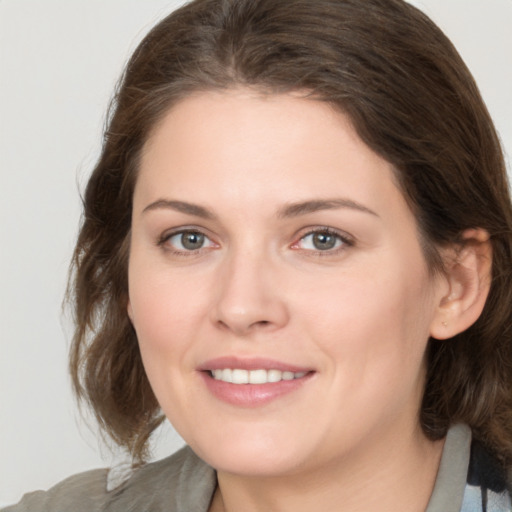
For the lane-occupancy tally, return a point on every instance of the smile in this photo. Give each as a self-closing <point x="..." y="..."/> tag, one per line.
<point x="258" y="376"/>
<point x="253" y="382"/>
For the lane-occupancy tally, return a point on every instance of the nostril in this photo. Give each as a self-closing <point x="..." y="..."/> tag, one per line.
<point x="261" y="323"/>
<point x="222" y="324"/>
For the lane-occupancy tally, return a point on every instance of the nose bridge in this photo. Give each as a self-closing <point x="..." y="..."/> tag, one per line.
<point x="248" y="297"/>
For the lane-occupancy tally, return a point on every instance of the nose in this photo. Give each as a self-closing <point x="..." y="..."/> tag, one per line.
<point x="250" y="296"/>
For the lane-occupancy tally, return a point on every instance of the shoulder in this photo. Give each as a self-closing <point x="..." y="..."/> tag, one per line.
<point x="179" y="482"/>
<point x="81" y="492"/>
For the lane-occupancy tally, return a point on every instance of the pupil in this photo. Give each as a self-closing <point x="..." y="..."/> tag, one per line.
<point x="324" y="241"/>
<point x="192" y="240"/>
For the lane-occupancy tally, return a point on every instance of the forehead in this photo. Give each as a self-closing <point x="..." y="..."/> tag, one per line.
<point x="245" y="148"/>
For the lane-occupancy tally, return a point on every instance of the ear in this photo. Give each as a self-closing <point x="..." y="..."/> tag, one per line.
<point x="468" y="275"/>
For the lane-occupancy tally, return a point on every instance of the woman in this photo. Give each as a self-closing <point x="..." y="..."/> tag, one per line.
<point x="296" y="246"/>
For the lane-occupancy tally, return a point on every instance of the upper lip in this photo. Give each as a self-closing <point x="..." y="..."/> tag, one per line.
<point x="256" y="363"/>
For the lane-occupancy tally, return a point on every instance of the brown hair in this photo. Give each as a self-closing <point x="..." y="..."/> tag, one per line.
<point x="411" y="99"/>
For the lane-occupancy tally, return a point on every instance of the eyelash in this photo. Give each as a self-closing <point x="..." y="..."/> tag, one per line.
<point x="166" y="237"/>
<point x="343" y="241"/>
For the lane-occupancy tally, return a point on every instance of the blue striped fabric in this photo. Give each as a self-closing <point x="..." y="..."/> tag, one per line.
<point x="478" y="499"/>
<point x="486" y="489"/>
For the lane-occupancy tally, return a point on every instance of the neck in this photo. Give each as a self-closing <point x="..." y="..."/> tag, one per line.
<point x="396" y="472"/>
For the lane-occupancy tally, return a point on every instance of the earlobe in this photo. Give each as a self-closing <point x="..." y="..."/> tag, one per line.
<point x="468" y="274"/>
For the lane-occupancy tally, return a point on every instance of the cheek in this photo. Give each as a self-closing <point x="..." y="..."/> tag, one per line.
<point x="376" y="338"/>
<point x="170" y="316"/>
<point x="371" y="324"/>
<point x="163" y="308"/>
<point x="164" y="314"/>
<point x="149" y="313"/>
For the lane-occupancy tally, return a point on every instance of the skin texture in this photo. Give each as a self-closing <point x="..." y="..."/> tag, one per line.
<point x="358" y="316"/>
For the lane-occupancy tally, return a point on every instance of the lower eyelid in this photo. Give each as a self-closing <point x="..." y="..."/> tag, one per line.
<point x="342" y="240"/>
<point x="165" y="240"/>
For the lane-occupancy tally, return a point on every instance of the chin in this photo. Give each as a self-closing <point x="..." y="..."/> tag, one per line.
<point x="254" y="456"/>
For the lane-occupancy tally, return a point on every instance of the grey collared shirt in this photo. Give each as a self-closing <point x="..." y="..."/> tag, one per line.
<point x="184" y="483"/>
<point x="451" y="492"/>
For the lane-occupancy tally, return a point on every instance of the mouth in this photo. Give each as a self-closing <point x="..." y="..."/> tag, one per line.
<point x="251" y="383"/>
<point x="258" y="376"/>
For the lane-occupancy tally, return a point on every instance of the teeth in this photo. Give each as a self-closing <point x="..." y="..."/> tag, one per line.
<point x="238" y="376"/>
<point x="227" y="375"/>
<point x="274" y="375"/>
<point x="257" y="376"/>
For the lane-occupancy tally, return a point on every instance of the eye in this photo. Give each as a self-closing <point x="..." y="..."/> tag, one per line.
<point x="187" y="241"/>
<point x="322" y="240"/>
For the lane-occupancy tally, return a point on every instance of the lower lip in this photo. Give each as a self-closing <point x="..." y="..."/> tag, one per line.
<point x="252" y="395"/>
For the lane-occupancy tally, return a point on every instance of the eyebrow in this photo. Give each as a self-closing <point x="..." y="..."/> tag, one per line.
<point x="181" y="206"/>
<point x="305" y="207"/>
<point x="290" y="210"/>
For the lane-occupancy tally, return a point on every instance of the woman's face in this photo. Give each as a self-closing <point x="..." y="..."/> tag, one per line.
<point x="270" y="243"/>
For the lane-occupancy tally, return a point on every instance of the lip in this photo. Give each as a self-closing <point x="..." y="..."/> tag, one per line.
<point x="251" y="395"/>
<point x="250" y="364"/>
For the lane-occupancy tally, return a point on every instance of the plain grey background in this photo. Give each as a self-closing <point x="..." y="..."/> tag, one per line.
<point x="59" y="61"/>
